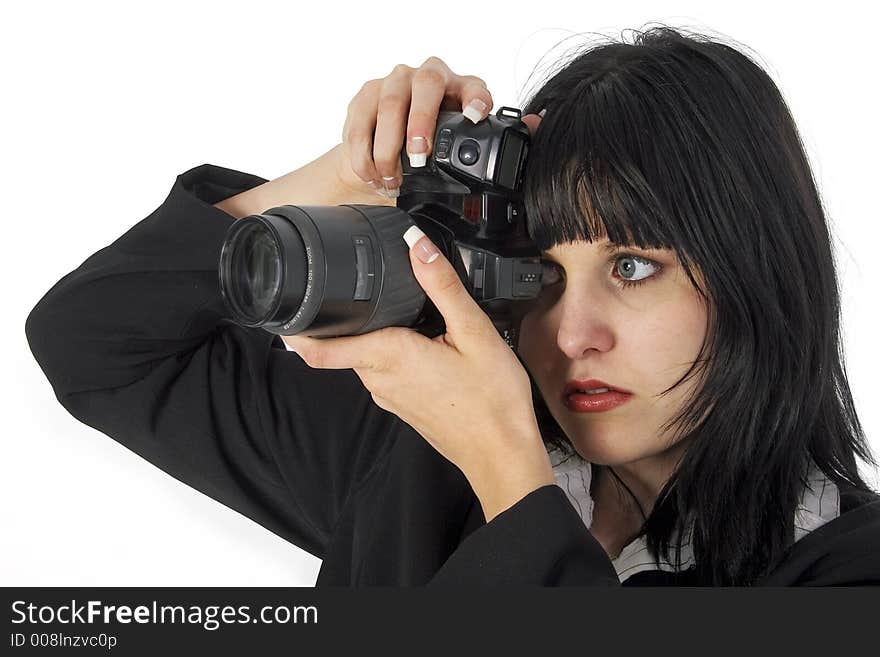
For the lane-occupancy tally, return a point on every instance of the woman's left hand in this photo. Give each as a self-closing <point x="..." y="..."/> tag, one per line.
<point x="465" y="391"/>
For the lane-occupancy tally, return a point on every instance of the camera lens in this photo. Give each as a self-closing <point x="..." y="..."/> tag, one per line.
<point x="254" y="266"/>
<point x="469" y="152"/>
<point x="323" y="271"/>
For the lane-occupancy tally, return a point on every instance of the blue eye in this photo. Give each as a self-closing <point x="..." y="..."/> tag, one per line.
<point x="633" y="270"/>
<point x="628" y="269"/>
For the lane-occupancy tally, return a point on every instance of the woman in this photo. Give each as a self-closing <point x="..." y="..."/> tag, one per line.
<point x="694" y="281"/>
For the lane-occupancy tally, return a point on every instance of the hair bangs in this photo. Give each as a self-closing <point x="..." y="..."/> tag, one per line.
<point x="586" y="176"/>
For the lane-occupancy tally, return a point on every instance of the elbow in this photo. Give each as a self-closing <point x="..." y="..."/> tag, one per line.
<point x="46" y="344"/>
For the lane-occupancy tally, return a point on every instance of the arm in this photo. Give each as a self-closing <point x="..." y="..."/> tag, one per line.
<point x="304" y="186"/>
<point x="539" y="541"/>
<point x="136" y="344"/>
<point x="500" y="482"/>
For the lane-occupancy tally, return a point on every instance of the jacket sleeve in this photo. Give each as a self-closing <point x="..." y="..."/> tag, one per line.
<point x="539" y="541"/>
<point x="842" y="552"/>
<point x="136" y="343"/>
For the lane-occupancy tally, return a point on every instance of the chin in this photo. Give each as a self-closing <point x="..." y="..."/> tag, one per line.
<point x="603" y="446"/>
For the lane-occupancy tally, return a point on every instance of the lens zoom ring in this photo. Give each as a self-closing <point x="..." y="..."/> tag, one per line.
<point x="401" y="298"/>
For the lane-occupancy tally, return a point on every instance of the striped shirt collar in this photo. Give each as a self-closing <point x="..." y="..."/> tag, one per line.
<point x="819" y="504"/>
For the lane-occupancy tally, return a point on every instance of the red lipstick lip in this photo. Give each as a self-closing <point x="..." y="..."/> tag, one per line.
<point x="588" y="384"/>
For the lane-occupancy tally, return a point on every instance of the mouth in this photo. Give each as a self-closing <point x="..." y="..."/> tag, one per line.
<point x="593" y="396"/>
<point x="590" y="387"/>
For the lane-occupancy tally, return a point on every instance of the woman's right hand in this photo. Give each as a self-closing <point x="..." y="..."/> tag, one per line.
<point x="402" y="105"/>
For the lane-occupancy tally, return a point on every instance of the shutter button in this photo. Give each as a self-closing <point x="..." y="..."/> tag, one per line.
<point x="469" y="152"/>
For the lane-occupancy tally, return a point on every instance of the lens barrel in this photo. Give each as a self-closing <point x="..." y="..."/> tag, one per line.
<point x="320" y="270"/>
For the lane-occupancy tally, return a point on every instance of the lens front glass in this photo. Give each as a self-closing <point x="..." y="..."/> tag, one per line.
<point x="255" y="271"/>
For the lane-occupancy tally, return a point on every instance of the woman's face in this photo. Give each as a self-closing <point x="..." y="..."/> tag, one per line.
<point x="628" y="317"/>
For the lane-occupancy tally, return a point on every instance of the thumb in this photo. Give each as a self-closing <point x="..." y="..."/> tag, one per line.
<point x="438" y="278"/>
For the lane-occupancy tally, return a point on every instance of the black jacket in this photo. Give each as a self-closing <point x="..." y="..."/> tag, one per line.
<point x="137" y="344"/>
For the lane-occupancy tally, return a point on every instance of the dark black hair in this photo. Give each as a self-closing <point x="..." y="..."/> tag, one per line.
<point x="680" y="141"/>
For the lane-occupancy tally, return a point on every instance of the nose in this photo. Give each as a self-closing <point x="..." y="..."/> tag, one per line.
<point x="584" y="327"/>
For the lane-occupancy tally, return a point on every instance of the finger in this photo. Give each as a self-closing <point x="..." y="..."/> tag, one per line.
<point x="431" y="89"/>
<point x="466" y="323"/>
<point x="532" y="121"/>
<point x="428" y="90"/>
<point x="360" y="124"/>
<point x="369" y="351"/>
<point x="476" y="101"/>
<point x="393" y="107"/>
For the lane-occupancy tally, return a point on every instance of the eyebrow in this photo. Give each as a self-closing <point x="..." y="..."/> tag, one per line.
<point x="608" y="247"/>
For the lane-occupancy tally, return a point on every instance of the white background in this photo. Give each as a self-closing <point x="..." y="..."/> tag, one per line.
<point x="106" y="103"/>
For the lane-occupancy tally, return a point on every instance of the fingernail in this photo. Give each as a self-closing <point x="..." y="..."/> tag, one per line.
<point x="388" y="193"/>
<point x="417" y="149"/>
<point x="423" y="247"/>
<point x="542" y="112"/>
<point x="474" y="110"/>
<point x="391" y="185"/>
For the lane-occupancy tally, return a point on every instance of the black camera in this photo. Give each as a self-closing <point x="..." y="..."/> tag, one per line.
<point x="327" y="271"/>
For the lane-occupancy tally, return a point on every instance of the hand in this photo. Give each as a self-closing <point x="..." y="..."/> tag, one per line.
<point x="464" y="391"/>
<point x="404" y="103"/>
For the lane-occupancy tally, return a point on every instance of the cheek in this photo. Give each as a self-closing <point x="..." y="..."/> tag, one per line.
<point x="665" y="341"/>
<point x="655" y="342"/>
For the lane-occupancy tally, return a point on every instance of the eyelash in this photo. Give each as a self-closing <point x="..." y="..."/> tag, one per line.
<point x="623" y="283"/>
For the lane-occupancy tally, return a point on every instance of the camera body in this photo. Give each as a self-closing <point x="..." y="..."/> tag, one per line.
<point x="327" y="271"/>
